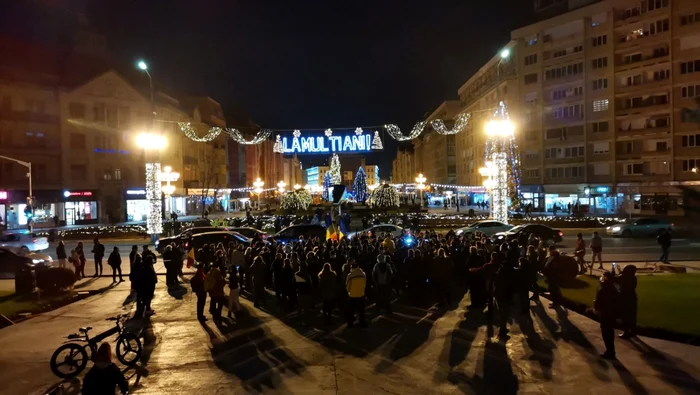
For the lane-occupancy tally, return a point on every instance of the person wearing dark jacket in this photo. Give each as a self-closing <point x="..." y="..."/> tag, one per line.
<point x="503" y="293"/>
<point x="302" y="283"/>
<point x="146" y="253"/>
<point x="99" y="250"/>
<point x="441" y="277"/>
<point x="197" y="284"/>
<point x="104" y="377"/>
<point x="551" y="272"/>
<point x="327" y="280"/>
<point x="627" y="281"/>
<point x="477" y="291"/>
<point x="145" y="280"/>
<point x="61" y="254"/>
<point x="234" y="293"/>
<point x="487" y="274"/>
<point x="664" y="241"/>
<point x="534" y="262"/>
<point x="115" y="262"/>
<point x="259" y="272"/>
<point x="170" y="269"/>
<point x="606" y="306"/>
<point x="526" y="277"/>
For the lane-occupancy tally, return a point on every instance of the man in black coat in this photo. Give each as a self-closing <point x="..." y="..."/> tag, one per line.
<point x="664" y="240"/>
<point x="605" y="305"/>
<point x="99" y="250"/>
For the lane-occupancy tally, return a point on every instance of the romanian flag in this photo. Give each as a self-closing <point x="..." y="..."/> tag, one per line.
<point x="190" y="258"/>
<point x="333" y="232"/>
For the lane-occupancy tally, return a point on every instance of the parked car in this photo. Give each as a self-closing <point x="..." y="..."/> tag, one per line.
<point x="12" y="259"/>
<point x="377" y="230"/>
<point x="250" y="233"/>
<point x="639" y="227"/>
<point x="30" y="241"/>
<point x="549" y="235"/>
<point x="224" y="237"/>
<point x="185" y="236"/>
<point x="487" y="227"/>
<point x="292" y="233"/>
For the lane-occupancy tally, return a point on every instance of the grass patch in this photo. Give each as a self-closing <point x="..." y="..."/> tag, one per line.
<point x="666" y="301"/>
<point x="11" y="306"/>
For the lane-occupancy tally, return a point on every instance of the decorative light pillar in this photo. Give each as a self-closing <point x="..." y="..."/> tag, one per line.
<point x="258" y="184"/>
<point x="420" y="180"/>
<point x="500" y="149"/>
<point x="153" y="142"/>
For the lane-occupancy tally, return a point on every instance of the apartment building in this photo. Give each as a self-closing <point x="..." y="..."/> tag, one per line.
<point x="404" y="166"/>
<point x="271" y="167"/>
<point x="436" y="153"/>
<point x="602" y="90"/>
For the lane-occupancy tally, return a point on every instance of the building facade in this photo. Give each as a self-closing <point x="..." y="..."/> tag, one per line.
<point x="435" y="153"/>
<point x="403" y="169"/>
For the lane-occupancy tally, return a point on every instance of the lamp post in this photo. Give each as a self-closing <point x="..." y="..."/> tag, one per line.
<point x="499" y="133"/>
<point x="420" y="180"/>
<point x="258" y="184"/>
<point x="153" y="142"/>
<point x="281" y="188"/>
<point x="28" y="165"/>
<point x="168" y="175"/>
<point x="143" y="66"/>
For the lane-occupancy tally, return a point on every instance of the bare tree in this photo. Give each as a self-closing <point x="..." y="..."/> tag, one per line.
<point x="208" y="180"/>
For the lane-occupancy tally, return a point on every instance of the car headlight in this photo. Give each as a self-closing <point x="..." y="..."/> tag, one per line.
<point x="459" y="232"/>
<point x="616" y="229"/>
<point x="35" y="261"/>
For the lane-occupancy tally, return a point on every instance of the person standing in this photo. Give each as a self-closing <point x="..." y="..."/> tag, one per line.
<point x="170" y="269"/>
<point x="61" y="254"/>
<point x="234" y="293"/>
<point x="115" y="262"/>
<point x="381" y="276"/>
<point x="104" y="377"/>
<point x="304" y="290"/>
<point x="148" y="253"/>
<point x="580" y="252"/>
<point x="664" y="240"/>
<point x="259" y="272"/>
<point x="551" y="272"/>
<point x="355" y="285"/>
<point x="605" y="305"/>
<point x="327" y="279"/>
<point x="99" y="250"/>
<point x="214" y="284"/>
<point x="81" y="259"/>
<point x="149" y="282"/>
<point x="441" y="278"/>
<point x="627" y="281"/>
<point x="597" y="249"/>
<point x="197" y="284"/>
<point x="136" y="276"/>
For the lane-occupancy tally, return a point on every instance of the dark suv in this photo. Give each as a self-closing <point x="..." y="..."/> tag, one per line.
<point x="223" y="237"/>
<point x="185" y="236"/>
<point x="292" y="233"/>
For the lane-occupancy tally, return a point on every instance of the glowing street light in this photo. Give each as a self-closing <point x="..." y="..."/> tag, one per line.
<point x="421" y="185"/>
<point x="505" y="53"/>
<point x="297" y="187"/>
<point x="258" y="184"/>
<point x="500" y="128"/>
<point x="168" y="175"/>
<point x="151" y="141"/>
<point x="281" y="185"/>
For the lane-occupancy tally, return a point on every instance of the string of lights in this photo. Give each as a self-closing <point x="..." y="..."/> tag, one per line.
<point x="154" y="224"/>
<point x="460" y="123"/>
<point x="395" y="132"/>
<point x="384" y="196"/>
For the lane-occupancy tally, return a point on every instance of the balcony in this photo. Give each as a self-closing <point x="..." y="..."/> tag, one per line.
<point x="654" y="84"/>
<point x="646" y="154"/>
<point x="631" y="63"/>
<point x="627" y="134"/>
<point x="640" y="38"/>
<point x="652" y="103"/>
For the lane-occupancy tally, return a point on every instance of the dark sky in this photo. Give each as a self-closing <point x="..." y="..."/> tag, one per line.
<point x="296" y="64"/>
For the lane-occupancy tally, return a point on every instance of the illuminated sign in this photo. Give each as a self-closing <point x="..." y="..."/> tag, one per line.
<point x="327" y="144"/>
<point x="3" y="195"/>
<point x="76" y="193"/>
<point x="136" y="192"/>
<point x="602" y="189"/>
<point x="111" y="151"/>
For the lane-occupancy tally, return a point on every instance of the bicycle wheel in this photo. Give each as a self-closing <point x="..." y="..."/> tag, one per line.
<point x="69" y="360"/>
<point x="129" y="349"/>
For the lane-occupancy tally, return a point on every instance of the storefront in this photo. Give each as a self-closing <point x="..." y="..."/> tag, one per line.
<point x="650" y="199"/>
<point x="532" y="195"/>
<point x="214" y="200"/>
<point x="136" y="205"/>
<point x="599" y="200"/>
<point x="81" y="207"/>
<point x="14" y="213"/>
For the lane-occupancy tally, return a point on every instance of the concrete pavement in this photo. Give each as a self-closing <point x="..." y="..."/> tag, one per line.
<point x="415" y="351"/>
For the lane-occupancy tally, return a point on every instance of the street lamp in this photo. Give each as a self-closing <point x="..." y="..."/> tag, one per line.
<point x="297" y="187"/>
<point x="28" y="165"/>
<point x="168" y="175"/>
<point x="420" y="180"/>
<point x="143" y="66"/>
<point x="258" y="184"/>
<point x="499" y="131"/>
<point x="281" y="185"/>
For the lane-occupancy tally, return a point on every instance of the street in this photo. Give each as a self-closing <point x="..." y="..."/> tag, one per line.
<point x="414" y="351"/>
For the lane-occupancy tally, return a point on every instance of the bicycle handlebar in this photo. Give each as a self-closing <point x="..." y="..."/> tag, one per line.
<point x="117" y="317"/>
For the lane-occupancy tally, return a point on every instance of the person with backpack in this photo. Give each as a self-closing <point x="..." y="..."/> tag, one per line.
<point x="606" y="307"/>
<point x="197" y="283"/>
<point x="115" y="262"/>
<point x="664" y="240"/>
<point x="381" y="276"/>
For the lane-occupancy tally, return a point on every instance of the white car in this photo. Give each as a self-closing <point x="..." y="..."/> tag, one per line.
<point x="395" y="231"/>
<point x="487" y="227"/>
<point x="30" y="241"/>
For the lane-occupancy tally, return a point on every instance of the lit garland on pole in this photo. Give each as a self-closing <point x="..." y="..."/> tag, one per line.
<point x="384" y="196"/>
<point x="190" y="133"/>
<point x="461" y="122"/>
<point x="299" y="199"/>
<point x="236" y="135"/>
<point x="214" y="132"/>
<point x="154" y="224"/>
<point x="377" y="142"/>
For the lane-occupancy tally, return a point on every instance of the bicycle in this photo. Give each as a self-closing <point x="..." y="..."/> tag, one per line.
<point x="74" y="356"/>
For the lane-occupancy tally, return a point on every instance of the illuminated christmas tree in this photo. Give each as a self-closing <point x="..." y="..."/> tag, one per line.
<point x="359" y="186"/>
<point x="336" y="178"/>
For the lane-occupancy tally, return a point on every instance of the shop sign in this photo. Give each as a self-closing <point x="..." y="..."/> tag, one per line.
<point x="3" y="195"/>
<point x="136" y="192"/>
<point x="602" y="189"/>
<point x="76" y="193"/>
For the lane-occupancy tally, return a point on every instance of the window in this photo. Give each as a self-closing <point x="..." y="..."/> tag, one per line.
<point x="600" y="84"/>
<point x="633" y="169"/>
<point x="530" y="59"/>
<point x="651" y="5"/>
<point x="600" y="63"/>
<point x="531" y="41"/>
<point x="692" y="66"/>
<point x="690" y="164"/>
<point x="573" y="111"/>
<point x="690" y="91"/>
<point x="77" y="141"/>
<point x="565" y="172"/>
<point x="690" y="19"/>
<point x="633" y="58"/>
<point x="578" y="48"/>
<point x="78" y="172"/>
<point x="117" y="174"/>
<point x="601" y="169"/>
<point x="600" y="127"/>
<point x="634" y="11"/>
<point x="600" y="40"/>
<point x="532" y="173"/>
<point x="98" y="112"/>
<point x="657" y="27"/>
<point x="662" y="75"/>
<point x="530" y="78"/>
<point x="561" y="72"/>
<point x="692" y="140"/>
<point x="600" y="105"/>
<point x="634" y="80"/>
<point x="35" y="106"/>
<point x="601" y="148"/>
<point x="559" y="53"/>
<point x="567" y="152"/>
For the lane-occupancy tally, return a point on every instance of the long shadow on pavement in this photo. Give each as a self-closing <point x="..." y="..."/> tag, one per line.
<point x="249" y="352"/>
<point x="669" y="370"/>
<point x="541" y="348"/>
<point x="568" y="332"/>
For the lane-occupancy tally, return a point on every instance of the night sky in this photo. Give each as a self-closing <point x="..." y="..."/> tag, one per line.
<point x="295" y="64"/>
